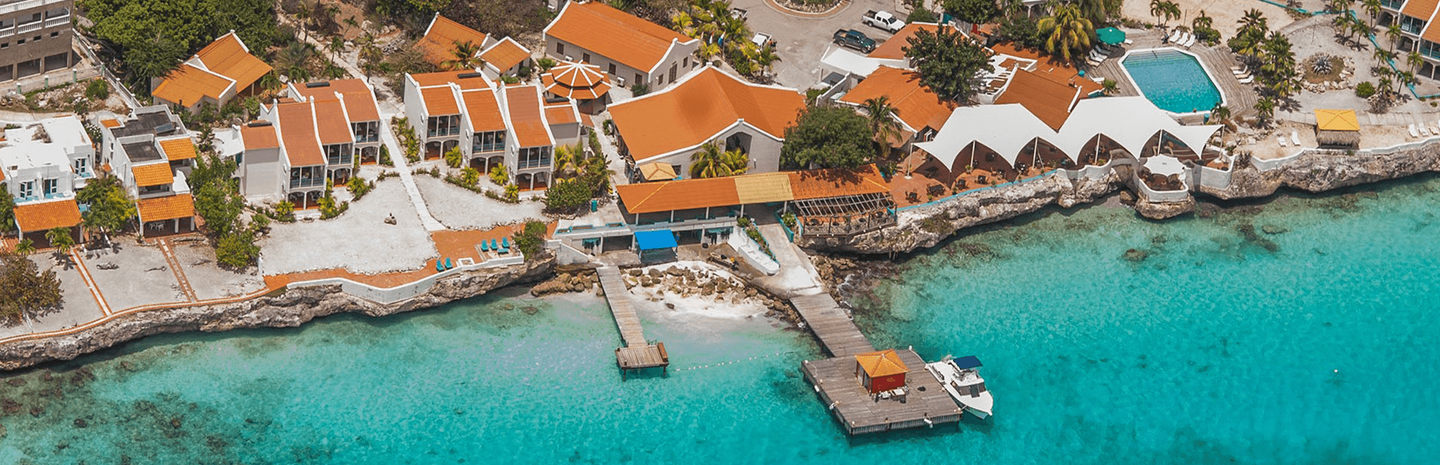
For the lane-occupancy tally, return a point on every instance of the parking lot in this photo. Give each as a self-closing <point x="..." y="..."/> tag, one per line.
<point x="801" y="41"/>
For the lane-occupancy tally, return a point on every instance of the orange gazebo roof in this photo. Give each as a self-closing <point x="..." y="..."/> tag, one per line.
<point x="580" y="81"/>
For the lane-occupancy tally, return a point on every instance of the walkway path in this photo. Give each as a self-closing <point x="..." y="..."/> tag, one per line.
<point x="638" y="352"/>
<point x="174" y="264"/>
<point x="90" y="282"/>
<point x="397" y="155"/>
<point x="797" y="275"/>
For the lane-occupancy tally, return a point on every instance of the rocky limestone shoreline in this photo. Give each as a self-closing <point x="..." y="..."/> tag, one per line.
<point x="288" y="308"/>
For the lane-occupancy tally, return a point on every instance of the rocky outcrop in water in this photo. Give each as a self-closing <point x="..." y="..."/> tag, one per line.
<point x="1164" y="210"/>
<point x="1319" y="172"/>
<point x="927" y="226"/>
<point x="289" y="308"/>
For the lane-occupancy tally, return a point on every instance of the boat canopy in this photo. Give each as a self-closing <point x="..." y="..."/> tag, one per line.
<point x="967" y="362"/>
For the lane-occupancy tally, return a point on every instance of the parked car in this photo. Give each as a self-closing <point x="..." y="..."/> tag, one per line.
<point x="854" y="39"/>
<point x="883" y="20"/>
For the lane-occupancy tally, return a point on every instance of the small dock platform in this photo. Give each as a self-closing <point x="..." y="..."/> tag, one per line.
<point x="637" y="353"/>
<point x="925" y="403"/>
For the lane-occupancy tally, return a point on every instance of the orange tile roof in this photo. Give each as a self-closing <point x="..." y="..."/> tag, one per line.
<point x="692" y="111"/>
<point x="259" y="137"/>
<point x="914" y="103"/>
<point x="614" y="34"/>
<point x="330" y="117"/>
<point x="359" y="99"/>
<point x="2" y="176"/>
<point x="187" y="84"/>
<point x="440" y="38"/>
<point x="882" y="363"/>
<point x="44" y="216"/>
<point x="178" y="149"/>
<point x="297" y="133"/>
<point x="750" y="188"/>
<point x="166" y="208"/>
<point x="523" y="103"/>
<point x="1420" y="9"/>
<point x="439" y="101"/>
<point x="483" y="110"/>
<point x="1052" y="68"/>
<point x="110" y="122"/>
<point x="505" y="54"/>
<point x="154" y="174"/>
<point x="473" y="80"/>
<point x="229" y="57"/>
<point x="1048" y="100"/>
<point x="894" y="47"/>
<point x="822" y="184"/>
<point x="685" y="194"/>
<point x="560" y="114"/>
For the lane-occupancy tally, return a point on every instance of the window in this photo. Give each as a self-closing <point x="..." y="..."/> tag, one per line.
<point x="491" y="141"/>
<point x="672" y="72"/>
<point x="639" y="78"/>
<point x="82" y="166"/>
<point x="20" y="41"/>
<point x="55" y="34"/>
<point x="533" y="157"/>
<point x="5" y="45"/>
<point x="27" y="189"/>
<point x="612" y="67"/>
<point x="37" y="38"/>
<point x="560" y="48"/>
<point x="585" y="57"/>
<point x="339" y="154"/>
<point x="7" y="24"/>
<point x="50" y="186"/>
<point x="686" y="63"/>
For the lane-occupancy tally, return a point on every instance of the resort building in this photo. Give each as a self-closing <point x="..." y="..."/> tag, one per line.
<point x="360" y="111"/>
<point x="217" y="73"/>
<point x="845" y="67"/>
<point x="919" y="112"/>
<point x="296" y="147"/>
<point x="515" y="126"/>
<point x="41" y="166"/>
<point x="1418" y="33"/>
<point x="35" y="37"/>
<point x="443" y="35"/>
<point x="152" y="155"/>
<point x="505" y="58"/>
<point x="706" y="106"/>
<point x="631" y="50"/>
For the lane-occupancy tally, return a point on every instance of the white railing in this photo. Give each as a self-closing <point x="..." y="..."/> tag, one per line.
<point x="404" y="291"/>
<point x="1162" y="196"/>
<point x="750" y="251"/>
<point x="1270" y="164"/>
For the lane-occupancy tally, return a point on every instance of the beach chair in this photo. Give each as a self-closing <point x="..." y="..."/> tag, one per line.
<point x="1129" y="42"/>
<point x="1174" y="36"/>
<point x="1424" y="131"/>
<point x="1189" y="40"/>
<point x="449" y="264"/>
<point x="1281" y="140"/>
<point x="484" y="245"/>
<point x="439" y="265"/>
<point x="1295" y="137"/>
<point x="1413" y="133"/>
<point x="1247" y="80"/>
<point x="505" y="244"/>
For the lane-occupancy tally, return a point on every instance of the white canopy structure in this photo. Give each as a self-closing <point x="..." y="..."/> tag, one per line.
<point x="1164" y="165"/>
<point x="1128" y="121"/>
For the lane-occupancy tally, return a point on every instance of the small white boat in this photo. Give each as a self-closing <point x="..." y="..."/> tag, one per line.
<point x="961" y="378"/>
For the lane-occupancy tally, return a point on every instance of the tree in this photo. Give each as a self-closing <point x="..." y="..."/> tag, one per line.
<point x="1249" y="39"/>
<point x="826" y="137"/>
<point x="110" y="206"/>
<point x="1164" y="10"/>
<point x="1067" y="32"/>
<point x="237" y="250"/>
<point x="880" y="115"/>
<point x="1277" y="70"/>
<point x="949" y="63"/>
<point x="972" y="11"/>
<point x="1204" y="28"/>
<point x="1265" y="109"/>
<point x="1022" y="31"/>
<point x="1339" y="6"/>
<point x="465" y="56"/>
<point x="61" y="240"/>
<point x="453" y="157"/>
<point x="7" y="210"/>
<point x="1093" y="10"/>
<point x="531" y="239"/>
<point x="713" y="162"/>
<point x="153" y="36"/>
<point x="1394" y="33"/>
<point x="25" y="247"/>
<point x="217" y="199"/>
<point x="25" y="291"/>
<point x="1414" y="60"/>
<point x="737" y="161"/>
<point x="1373" y="8"/>
<point x="1110" y="86"/>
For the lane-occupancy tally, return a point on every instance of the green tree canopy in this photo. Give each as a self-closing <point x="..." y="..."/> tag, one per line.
<point x="972" y="11"/>
<point x="7" y="210"/>
<point x="153" y="36"/>
<point x="827" y="137"/>
<point x="1067" y="32"/>
<point x="24" y="290"/>
<point x="110" y="206"/>
<point x="949" y="63"/>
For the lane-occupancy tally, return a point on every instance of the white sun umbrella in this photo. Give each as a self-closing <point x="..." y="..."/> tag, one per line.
<point x="1164" y="165"/>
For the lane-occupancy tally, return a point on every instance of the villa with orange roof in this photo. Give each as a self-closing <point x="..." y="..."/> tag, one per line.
<point x="504" y="58"/>
<point x="214" y="75"/>
<point x="707" y="106"/>
<point x="41" y="166"/>
<point x="918" y="110"/>
<point x="152" y="155"/>
<point x="356" y="103"/>
<point x="443" y="34"/>
<point x="296" y="147"/>
<point x="631" y="50"/>
<point x="1418" y="32"/>
<point x="432" y="104"/>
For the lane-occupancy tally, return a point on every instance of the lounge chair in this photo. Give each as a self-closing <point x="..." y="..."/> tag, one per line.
<point x="439" y="265"/>
<point x="1174" y="36"/>
<point x="494" y="244"/>
<point x="1424" y="131"/>
<point x="1247" y="80"/>
<point x="1129" y="42"/>
<point x="1189" y="40"/>
<point x="1237" y="69"/>
<point x="505" y="242"/>
<point x="1413" y="133"/>
<point x="1281" y="140"/>
<point x="1295" y="137"/>
<point x="484" y="246"/>
<point x="449" y="264"/>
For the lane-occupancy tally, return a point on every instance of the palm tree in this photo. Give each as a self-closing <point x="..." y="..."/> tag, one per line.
<point x="1384" y="56"/>
<point x="464" y="56"/>
<point x="708" y="52"/>
<point x="1253" y="18"/>
<point x="336" y="45"/>
<point x="1220" y="115"/>
<point x="1094" y="10"/>
<point x="709" y="162"/>
<point x="1067" y="32"/>
<point x="683" y="23"/>
<point x="1372" y="7"/>
<point x="25" y="247"/>
<point x="1406" y="77"/>
<point x="568" y="161"/>
<point x="1386" y="83"/>
<point x="1339" y="6"/>
<point x="881" y="116"/>
<point x="736" y="161"/>
<point x="765" y="57"/>
<point x="1342" y="25"/>
<point x="1265" y="107"/>
<point x="1414" y="60"/>
<point x="61" y="240"/>
<point x="1202" y="22"/>
<point x="1359" y="26"/>
<point x="1157" y="8"/>
<point x="1109" y="86"/>
<point x="1394" y="33"/>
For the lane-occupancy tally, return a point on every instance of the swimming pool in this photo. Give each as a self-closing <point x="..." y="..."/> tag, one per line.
<point x="1173" y="80"/>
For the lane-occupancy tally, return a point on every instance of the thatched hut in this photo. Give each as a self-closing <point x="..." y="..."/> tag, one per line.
<point x="1337" y="129"/>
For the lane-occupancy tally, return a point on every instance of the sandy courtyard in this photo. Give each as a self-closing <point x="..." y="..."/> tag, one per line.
<point x="1225" y="13"/>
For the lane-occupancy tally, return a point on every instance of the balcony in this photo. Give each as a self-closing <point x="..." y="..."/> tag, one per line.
<point x="529" y="164"/>
<point x="307" y="182"/>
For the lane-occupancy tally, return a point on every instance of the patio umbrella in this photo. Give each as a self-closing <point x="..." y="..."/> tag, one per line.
<point x="657" y="171"/>
<point x="1110" y="35"/>
<point x="1164" y="165"/>
<point x="578" y="81"/>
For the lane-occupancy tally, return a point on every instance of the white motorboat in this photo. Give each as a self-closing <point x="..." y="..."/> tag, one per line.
<point x="961" y="378"/>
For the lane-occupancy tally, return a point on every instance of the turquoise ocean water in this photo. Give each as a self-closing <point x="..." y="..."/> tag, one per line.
<point x="1219" y="347"/>
<point x="1172" y="80"/>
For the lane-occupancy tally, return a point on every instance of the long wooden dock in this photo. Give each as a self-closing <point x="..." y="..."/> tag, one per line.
<point x="836" y="381"/>
<point x="637" y="353"/>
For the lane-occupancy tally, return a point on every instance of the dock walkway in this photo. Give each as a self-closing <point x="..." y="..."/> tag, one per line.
<point x="638" y="353"/>
<point x="838" y="335"/>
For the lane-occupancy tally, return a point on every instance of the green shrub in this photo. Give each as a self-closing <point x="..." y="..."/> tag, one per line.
<point x="512" y="193"/>
<point x="1365" y="89"/>
<point x="499" y="175"/>
<point x="595" y="143"/>
<point x="470" y="176"/>
<point x="97" y="89"/>
<point x="789" y="219"/>
<point x="921" y="15"/>
<point x="385" y="156"/>
<point x="285" y="211"/>
<point x="358" y="187"/>
<point x="743" y="221"/>
<point x="531" y="239"/>
<point x="236" y="250"/>
<point x="454" y="158"/>
<point x="259" y="222"/>
<point x="567" y="195"/>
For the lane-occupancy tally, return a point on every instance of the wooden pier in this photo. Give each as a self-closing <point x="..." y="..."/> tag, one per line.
<point x="637" y="353"/>
<point x="925" y="403"/>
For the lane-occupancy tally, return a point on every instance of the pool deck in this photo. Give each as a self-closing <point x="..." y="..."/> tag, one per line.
<point x="1218" y="60"/>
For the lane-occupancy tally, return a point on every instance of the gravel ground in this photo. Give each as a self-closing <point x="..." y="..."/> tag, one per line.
<point x="358" y="240"/>
<point x="208" y="280"/>
<point x="143" y="278"/>
<point x="458" y="208"/>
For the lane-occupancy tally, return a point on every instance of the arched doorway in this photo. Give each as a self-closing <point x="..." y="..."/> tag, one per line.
<point x="525" y="181"/>
<point x="340" y="176"/>
<point x="541" y="181"/>
<point x="369" y="155"/>
<point x="432" y="150"/>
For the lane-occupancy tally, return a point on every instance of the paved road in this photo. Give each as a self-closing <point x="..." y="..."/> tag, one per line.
<point x="801" y="41"/>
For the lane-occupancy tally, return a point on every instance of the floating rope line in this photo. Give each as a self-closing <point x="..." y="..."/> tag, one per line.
<point x="732" y="362"/>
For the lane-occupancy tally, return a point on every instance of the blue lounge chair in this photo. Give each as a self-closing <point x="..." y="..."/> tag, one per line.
<point x="448" y="263"/>
<point x="484" y="246"/>
<point x="505" y="242"/>
<point x="439" y="265"/>
<point x="494" y="245"/>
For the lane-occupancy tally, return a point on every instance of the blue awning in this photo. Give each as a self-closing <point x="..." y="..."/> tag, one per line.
<point x="967" y="362"/>
<point x="655" y="240"/>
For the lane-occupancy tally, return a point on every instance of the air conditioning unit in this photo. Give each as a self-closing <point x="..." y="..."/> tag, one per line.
<point x="621" y="81"/>
<point x="569" y="59"/>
